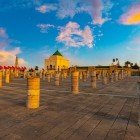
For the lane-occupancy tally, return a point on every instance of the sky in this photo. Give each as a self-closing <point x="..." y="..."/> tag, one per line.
<point x="87" y="32"/>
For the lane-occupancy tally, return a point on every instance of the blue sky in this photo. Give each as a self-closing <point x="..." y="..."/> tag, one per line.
<point x="88" y="32"/>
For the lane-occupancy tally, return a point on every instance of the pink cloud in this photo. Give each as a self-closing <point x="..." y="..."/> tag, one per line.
<point x="4" y="39"/>
<point x="46" y="8"/>
<point x="3" y="33"/>
<point x="95" y="8"/>
<point x="45" y="27"/>
<point x="132" y="15"/>
<point x="72" y="36"/>
<point x="67" y="8"/>
<point x="3" y="44"/>
<point x="7" y="57"/>
<point x="96" y="11"/>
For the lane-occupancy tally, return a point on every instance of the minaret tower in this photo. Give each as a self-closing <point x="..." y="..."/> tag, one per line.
<point x="16" y="62"/>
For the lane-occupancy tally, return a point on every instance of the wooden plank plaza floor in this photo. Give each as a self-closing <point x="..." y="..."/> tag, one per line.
<point x="109" y="112"/>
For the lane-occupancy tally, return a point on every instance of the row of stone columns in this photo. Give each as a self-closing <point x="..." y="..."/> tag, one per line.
<point x="7" y="77"/>
<point x="34" y="84"/>
<point x="115" y="76"/>
<point x="106" y="77"/>
<point x="45" y="75"/>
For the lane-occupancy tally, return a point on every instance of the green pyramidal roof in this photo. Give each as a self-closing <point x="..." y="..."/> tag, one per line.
<point x="57" y="53"/>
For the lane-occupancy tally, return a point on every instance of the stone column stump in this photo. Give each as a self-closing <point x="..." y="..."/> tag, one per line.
<point x="57" y="79"/>
<point x="1" y="75"/>
<point x="93" y="79"/>
<point x="104" y="79"/>
<point x="43" y="75"/>
<point x="33" y="99"/>
<point x="80" y="75"/>
<point x="116" y="76"/>
<point x="75" y="82"/>
<point x="48" y="78"/>
<point x="122" y="74"/>
<point x="84" y="76"/>
<point x="7" y="77"/>
<point x="24" y="74"/>
<point x="65" y="75"/>
<point x="111" y="77"/>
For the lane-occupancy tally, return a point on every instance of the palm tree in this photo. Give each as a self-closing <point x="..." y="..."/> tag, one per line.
<point x="127" y="63"/>
<point x="113" y="60"/>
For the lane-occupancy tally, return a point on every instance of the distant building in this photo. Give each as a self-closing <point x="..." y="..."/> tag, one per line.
<point x="56" y="62"/>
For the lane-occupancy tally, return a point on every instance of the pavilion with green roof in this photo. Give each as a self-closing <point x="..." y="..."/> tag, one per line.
<point x="57" y="62"/>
